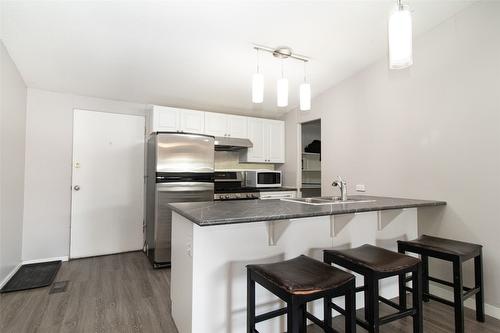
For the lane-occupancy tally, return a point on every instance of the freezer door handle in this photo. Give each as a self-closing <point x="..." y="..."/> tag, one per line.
<point x="184" y="187"/>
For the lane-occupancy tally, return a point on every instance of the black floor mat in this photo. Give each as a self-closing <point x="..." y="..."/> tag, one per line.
<point x="32" y="276"/>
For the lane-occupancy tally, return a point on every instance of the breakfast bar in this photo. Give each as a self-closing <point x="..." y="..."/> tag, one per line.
<point x="212" y="242"/>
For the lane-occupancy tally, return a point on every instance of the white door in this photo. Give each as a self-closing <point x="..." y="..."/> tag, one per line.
<point x="193" y="121"/>
<point x="107" y="183"/>
<point x="216" y="124"/>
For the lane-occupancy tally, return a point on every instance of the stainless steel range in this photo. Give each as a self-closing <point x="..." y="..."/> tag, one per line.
<point x="229" y="186"/>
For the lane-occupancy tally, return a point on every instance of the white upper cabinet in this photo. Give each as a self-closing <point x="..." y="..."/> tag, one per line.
<point x="276" y="135"/>
<point x="166" y="119"/>
<point x="219" y="124"/>
<point x="193" y="121"/>
<point x="216" y="124"/>
<point x="268" y="138"/>
<point x="237" y="126"/>
<point x="257" y="153"/>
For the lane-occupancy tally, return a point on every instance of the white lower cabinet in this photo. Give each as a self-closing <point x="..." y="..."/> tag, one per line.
<point x="268" y="138"/>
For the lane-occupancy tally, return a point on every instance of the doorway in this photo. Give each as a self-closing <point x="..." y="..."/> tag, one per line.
<point x="107" y="183"/>
<point x="311" y="159"/>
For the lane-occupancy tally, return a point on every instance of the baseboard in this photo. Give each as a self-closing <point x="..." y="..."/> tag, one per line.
<point x="12" y="272"/>
<point x="36" y="261"/>
<point x="489" y="309"/>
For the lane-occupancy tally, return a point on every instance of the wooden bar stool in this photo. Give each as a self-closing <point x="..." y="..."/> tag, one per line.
<point x="375" y="263"/>
<point x="296" y="282"/>
<point x="456" y="252"/>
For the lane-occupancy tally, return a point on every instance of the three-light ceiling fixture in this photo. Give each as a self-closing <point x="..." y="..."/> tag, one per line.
<point x="400" y="56"/>
<point x="281" y="53"/>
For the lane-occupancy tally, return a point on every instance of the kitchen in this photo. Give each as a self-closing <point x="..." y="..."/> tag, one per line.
<point x="261" y="117"/>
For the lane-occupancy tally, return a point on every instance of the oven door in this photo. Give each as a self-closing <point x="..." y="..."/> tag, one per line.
<point x="268" y="179"/>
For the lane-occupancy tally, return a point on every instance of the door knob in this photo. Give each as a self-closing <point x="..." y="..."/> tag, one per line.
<point x="76" y="187"/>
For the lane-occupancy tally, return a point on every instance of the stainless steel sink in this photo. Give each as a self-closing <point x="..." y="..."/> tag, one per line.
<point x="327" y="201"/>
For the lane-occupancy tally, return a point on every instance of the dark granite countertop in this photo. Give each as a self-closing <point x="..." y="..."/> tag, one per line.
<point x="211" y="213"/>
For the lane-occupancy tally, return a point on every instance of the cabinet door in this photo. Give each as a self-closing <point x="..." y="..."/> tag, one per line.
<point x="166" y="119"/>
<point x="216" y="124"/>
<point x="192" y="121"/>
<point x="256" y="134"/>
<point x="275" y="133"/>
<point x="237" y="127"/>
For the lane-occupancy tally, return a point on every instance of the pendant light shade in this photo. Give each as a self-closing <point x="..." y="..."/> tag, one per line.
<point x="305" y="97"/>
<point x="282" y="88"/>
<point x="400" y="38"/>
<point x="258" y="88"/>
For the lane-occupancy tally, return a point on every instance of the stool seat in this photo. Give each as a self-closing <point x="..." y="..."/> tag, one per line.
<point x="444" y="245"/>
<point x="376" y="258"/>
<point x="302" y="275"/>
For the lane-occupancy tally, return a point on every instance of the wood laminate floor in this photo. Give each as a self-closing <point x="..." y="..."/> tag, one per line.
<point x="122" y="293"/>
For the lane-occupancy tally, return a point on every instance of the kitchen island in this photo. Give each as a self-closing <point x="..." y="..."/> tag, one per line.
<point x="212" y="242"/>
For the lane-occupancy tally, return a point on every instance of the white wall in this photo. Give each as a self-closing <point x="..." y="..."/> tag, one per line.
<point x="12" y="136"/>
<point x="432" y="131"/>
<point x="47" y="197"/>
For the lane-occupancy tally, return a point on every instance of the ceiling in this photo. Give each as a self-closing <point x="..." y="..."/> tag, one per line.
<point x="198" y="54"/>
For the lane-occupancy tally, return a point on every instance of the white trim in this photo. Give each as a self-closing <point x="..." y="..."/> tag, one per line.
<point x="36" y="261"/>
<point x="12" y="272"/>
<point x="489" y="309"/>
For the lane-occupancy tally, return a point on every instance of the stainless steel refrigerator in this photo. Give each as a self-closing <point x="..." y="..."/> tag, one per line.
<point x="180" y="168"/>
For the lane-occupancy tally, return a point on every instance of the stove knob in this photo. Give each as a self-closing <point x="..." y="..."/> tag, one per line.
<point x="226" y="197"/>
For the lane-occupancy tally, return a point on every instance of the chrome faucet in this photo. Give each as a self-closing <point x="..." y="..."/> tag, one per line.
<point x="343" y="188"/>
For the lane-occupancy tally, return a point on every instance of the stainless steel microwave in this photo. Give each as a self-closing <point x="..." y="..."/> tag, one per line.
<point x="263" y="178"/>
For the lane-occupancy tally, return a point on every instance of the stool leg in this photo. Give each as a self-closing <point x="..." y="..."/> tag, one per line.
<point x="402" y="283"/>
<point x="418" y="318"/>
<point x="327" y="312"/>
<point x="478" y="281"/>
<point x="373" y="313"/>
<point x="294" y="317"/>
<point x="425" y="278"/>
<point x="458" y="296"/>
<point x="350" y="309"/>
<point x="402" y="290"/>
<point x="250" y="303"/>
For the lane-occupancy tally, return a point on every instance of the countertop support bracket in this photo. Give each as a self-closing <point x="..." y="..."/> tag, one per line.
<point x="385" y="217"/>
<point x="339" y="222"/>
<point x="274" y="230"/>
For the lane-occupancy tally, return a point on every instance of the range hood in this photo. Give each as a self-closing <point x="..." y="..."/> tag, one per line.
<point x="223" y="143"/>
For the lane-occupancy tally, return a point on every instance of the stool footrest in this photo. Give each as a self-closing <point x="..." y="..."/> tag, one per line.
<point x="446" y="283"/>
<point x="269" y="315"/>
<point x="390" y="303"/>
<point x="396" y="316"/>
<point x="434" y="297"/>
<point x="320" y="323"/>
<point x="337" y="308"/>
<point x="471" y="292"/>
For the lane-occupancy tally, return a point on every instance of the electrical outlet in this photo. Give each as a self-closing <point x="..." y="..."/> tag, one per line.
<point x="360" y="188"/>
